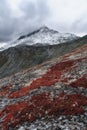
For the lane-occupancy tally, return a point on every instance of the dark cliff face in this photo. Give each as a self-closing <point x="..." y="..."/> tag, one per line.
<point x="18" y="58"/>
<point x="52" y="95"/>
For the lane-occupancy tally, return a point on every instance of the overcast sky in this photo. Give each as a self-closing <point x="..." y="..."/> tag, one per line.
<point x="22" y="16"/>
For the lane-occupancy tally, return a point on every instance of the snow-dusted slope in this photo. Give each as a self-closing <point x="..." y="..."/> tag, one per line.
<point x="42" y="36"/>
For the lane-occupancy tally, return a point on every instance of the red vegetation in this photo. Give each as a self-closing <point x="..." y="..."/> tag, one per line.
<point x="81" y="82"/>
<point x="5" y="90"/>
<point x="40" y="105"/>
<point x="50" y="78"/>
<point x="66" y="80"/>
<point x="44" y="103"/>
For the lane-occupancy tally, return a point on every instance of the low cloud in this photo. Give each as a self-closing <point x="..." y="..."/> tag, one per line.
<point x="32" y="15"/>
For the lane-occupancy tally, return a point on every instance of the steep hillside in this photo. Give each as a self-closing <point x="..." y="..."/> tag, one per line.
<point x="21" y="57"/>
<point x="51" y="96"/>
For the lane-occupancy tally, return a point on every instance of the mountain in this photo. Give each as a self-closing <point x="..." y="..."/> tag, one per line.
<point x="18" y="58"/>
<point x="44" y="35"/>
<point x="41" y="36"/>
<point x="49" y="96"/>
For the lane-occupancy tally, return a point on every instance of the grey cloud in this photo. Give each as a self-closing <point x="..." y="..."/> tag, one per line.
<point x="34" y="15"/>
<point x="38" y="10"/>
<point x="6" y="22"/>
<point x="80" y="25"/>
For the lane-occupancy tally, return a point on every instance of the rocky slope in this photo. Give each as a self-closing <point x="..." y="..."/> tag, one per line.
<point x="51" y="96"/>
<point x="18" y="58"/>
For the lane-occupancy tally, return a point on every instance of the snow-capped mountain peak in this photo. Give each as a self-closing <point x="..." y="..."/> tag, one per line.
<point x="44" y="29"/>
<point x="42" y="36"/>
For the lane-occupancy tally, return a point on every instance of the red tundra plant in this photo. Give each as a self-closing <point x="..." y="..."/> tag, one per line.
<point x="54" y="75"/>
<point x="5" y="90"/>
<point x="41" y="105"/>
<point x="81" y="82"/>
<point x="50" y="78"/>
